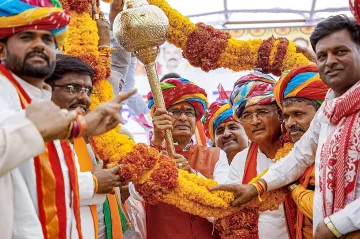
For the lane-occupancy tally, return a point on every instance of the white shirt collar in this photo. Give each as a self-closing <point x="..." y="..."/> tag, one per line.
<point x="35" y="92"/>
<point x="331" y="94"/>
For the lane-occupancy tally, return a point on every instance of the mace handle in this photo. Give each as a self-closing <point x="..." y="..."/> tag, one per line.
<point x="159" y="101"/>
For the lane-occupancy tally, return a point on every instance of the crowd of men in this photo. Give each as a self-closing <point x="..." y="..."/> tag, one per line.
<point x="52" y="185"/>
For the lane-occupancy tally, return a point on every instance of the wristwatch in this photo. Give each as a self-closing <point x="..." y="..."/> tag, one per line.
<point x="331" y="227"/>
<point x="293" y="186"/>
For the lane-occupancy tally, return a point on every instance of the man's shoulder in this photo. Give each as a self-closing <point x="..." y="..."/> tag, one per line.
<point x="240" y="157"/>
<point x="5" y="85"/>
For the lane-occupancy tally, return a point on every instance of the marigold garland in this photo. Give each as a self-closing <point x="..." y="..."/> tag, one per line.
<point x="155" y="175"/>
<point x="237" y="55"/>
<point x="244" y="224"/>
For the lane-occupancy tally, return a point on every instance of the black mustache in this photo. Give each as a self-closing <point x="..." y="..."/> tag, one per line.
<point x="27" y="55"/>
<point x="296" y="128"/>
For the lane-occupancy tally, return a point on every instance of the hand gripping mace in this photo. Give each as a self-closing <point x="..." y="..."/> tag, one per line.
<point x="141" y="28"/>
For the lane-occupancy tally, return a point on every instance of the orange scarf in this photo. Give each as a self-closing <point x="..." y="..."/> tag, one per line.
<point x="86" y="165"/>
<point x="304" y="181"/>
<point x="50" y="180"/>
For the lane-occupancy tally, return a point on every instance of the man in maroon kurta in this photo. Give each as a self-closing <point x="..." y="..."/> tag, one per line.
<point x="185" y="104"/>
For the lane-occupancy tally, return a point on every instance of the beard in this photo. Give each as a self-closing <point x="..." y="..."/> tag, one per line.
<point x="22" y="68"/>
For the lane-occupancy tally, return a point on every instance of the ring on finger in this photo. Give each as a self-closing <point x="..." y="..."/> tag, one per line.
<point x="180" y="165"/>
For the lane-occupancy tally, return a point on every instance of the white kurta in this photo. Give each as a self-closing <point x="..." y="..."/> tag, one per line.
<point x="305" y="152"/>
<point x="26" y="221"/>
<point x="272" y="224"/>
<point x="17" y="130"/>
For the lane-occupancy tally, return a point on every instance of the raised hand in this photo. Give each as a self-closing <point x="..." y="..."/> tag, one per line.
<point x="106" y="116"/>
<point x="107" y="178"/>
<point x="243" y="193"/>
<point x="52" y="122"/>
<point x="161" y="121"/>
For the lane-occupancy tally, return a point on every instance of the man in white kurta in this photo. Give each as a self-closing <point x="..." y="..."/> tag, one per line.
<point x="336" y="204"/>
<point x="27" y="224"/>
<point x="253" y="94"/>
<point x="271" y="223"/>
<point x="28" y="129"/>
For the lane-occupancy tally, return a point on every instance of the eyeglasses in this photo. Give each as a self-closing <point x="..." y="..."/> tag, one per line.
<point x="76" y="89"/>
<point x="177" y="113"/>
<point x="260" y="114"/>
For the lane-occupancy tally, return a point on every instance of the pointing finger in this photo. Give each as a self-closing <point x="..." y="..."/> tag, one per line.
<point x="123" y="96"/>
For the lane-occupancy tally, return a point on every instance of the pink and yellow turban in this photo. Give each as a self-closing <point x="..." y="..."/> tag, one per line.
<point x="302" y="82"/>
<point x="177" y="90"/>
<point x="20" y="15"/>
<point x="252" y="89"/>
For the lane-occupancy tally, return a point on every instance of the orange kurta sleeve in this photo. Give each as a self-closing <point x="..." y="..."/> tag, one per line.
<point x="304" y="200"/>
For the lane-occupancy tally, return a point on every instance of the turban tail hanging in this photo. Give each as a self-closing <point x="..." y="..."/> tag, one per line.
<point x="302" y="82"/>
<point x="181" y="90"/>
<point x="17" y="16"/>
<point x="254" y="88"/>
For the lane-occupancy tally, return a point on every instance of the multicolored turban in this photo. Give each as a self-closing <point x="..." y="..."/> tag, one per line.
<point x="252" y="89"/>
<point x="176" y="90"/>
<point x="20" y="15"/>
<point x="301" y="82"/>
<point x="218" y="112"/>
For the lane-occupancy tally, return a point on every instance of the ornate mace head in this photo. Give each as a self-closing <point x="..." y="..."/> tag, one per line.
<point x="141" y="28"/>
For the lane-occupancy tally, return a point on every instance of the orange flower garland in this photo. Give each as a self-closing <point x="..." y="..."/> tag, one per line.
<point x="154" y="175"/>
<point x="244" y="224"/>
<point x="217" y="49"/>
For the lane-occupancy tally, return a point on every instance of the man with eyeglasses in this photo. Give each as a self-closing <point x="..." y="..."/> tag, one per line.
<point x="72" y="87"/>
<point x="185" y="104"/>
<point x="254" y="106"/>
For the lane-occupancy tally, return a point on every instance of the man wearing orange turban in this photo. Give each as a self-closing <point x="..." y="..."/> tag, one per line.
<point x="300" y="93"/>
<point x="222" y="129"/>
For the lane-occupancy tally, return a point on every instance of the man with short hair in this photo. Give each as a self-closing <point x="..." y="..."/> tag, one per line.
<point x="72" y="86"/>
<point x="46" y="194"/>
<point x="222" y="129"/>
<point x="185" y="104"/>
<point x="331" y="142"/>
<point x="300" y="93"/>
<point x="254" y="106"/>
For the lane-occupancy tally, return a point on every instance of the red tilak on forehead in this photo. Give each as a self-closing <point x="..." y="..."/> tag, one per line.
<point x="182" y="107"/>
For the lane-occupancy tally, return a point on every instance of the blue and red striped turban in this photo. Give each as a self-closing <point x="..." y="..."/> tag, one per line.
<point x="302" y="82"/>
<point x="252" y="89"/>
<point x="177" y="90"/>
<point x="20" y="15"/>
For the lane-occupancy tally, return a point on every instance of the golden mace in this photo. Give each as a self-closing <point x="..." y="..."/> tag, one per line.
<point x="141" y="28"/>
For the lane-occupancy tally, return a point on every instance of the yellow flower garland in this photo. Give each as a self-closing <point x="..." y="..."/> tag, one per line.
<point x="113" y="147"/>
<point x="238" y="54"/>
